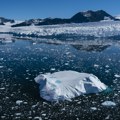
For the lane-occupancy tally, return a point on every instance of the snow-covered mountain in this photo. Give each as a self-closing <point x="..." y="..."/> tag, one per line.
<point x="81" y="17"/>
<point x="91" y="16"/>
<point x="5" y="20"/>
<point x="117" y="17"/>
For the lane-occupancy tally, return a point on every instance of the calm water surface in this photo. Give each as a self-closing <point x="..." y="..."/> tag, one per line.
<point x="22" y="60"/>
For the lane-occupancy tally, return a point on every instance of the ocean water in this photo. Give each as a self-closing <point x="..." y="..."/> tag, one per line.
<point x="22" y="60"/>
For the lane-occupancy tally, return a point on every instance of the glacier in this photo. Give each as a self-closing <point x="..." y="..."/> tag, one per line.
<point x="96" y="29"/>
<point x="65" y="85"/>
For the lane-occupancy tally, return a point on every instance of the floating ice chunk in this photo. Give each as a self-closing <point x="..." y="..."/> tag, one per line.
<point x="66" y="63"/>
<point x="2" y="88"/>
<point x="108" y="103"/>
<point x="95" y="65"/>
<point x="37" y="118"/>
<point x="1" y="59"/>
<point x="18" y="114"/>
<point x="107" y="66"/>
<point x="65" y="85"/>
<point x="3" y="117"/>
<point x="19" y="102"/>
<point x="93" y="108"/>
<point x="108" y="117"/>
<point x="117" y="76"/>
<point x="52" y="69"/>
<point x="1" y="67"/>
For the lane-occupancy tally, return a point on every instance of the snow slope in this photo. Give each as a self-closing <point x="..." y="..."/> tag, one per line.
<point x="117" y="17"/>
<point x="65" y="85"/>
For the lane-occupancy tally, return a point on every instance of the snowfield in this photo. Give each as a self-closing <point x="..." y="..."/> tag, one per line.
<point x="96" y="29"/>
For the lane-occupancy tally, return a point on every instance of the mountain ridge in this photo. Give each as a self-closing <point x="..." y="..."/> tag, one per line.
<point x="80" y="17"/>
<point x="5" y="20"/>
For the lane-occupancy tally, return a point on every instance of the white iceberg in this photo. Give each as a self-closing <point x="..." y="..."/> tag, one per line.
<point x="65" y="85"/>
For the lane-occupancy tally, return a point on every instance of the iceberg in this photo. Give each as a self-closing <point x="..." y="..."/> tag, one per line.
<point x="65" y="85"/>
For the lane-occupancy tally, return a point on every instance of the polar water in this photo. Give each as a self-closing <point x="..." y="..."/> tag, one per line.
<point x="22" y="58"/>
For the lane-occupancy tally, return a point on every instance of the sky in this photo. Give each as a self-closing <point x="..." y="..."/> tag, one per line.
<point x="27" y="9"/>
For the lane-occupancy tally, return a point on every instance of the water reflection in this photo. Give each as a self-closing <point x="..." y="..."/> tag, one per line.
<point x="90" y="48"/>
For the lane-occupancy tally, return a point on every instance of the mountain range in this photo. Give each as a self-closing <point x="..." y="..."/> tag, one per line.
<point x="81" y="17"/>
<point x="5" y="20"/>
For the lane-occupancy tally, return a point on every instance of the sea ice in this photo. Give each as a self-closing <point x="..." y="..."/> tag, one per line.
<point x="65" y="85"/>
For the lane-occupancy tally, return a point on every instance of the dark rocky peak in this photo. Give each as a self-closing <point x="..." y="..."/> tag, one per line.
<point x="87" y="16"/>
<point x="78" y="18"/>
<point x="92" y="16"/>
<point x="4" y="20"/>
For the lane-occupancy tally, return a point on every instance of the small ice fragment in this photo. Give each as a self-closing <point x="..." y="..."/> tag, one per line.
<point x="2" y="88"/>
<point x="107" y="71"/>
<point x="107" y="66"/>
<point x="66" y="63"/>
<point x="108" y="117"/>
<point x="2" y="117"/>
<point x="108" y="103"/>
<point x="17" y="114"/>
<point x="27" y="70"/>
<point x="25" y="103"/>
<point x="1" y="59"/>
<point x="95" y="65"/>
<point x="19" y="102"/>
<point x="26" y="78"/>
<point x="117" y="76"/>
<point x="52" y="69"/>
<point x="34" y="43"/>
<point x="37" y="118"/>
<point x="43" y="114"/>
<point x="63" y="109"/>
<point x="33" y="106"/>
<point x="93" y="108"/>
<point x="67" y="53"/>
<point x="1" y="67"/>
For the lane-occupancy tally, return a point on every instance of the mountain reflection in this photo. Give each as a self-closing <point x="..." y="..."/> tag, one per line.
<point x="90" y="48"/>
